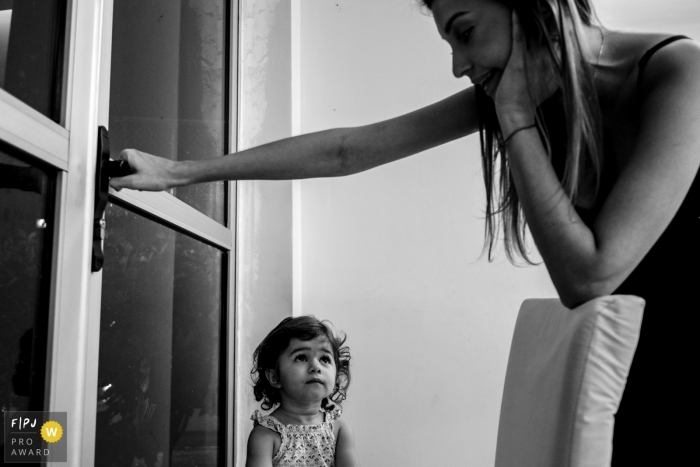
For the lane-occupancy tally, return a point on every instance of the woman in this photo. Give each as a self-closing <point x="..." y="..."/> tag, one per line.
<point x="589" y="135"/>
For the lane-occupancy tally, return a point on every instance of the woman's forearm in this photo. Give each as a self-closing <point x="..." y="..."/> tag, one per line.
<point x="568" y="246"/>
<point x="329" y="153"/>
<point x="321" y="154"/>
<point x="311" y="155"/>
<point x="345" y="151"/>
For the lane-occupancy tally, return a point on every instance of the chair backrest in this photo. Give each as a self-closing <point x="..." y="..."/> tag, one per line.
<point x="566" y="373"/>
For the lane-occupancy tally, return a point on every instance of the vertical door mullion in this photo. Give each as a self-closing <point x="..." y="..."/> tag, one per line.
<point x="76" y="290"/>
<point x="101" y="101"/>
<point x="233" y="92"/>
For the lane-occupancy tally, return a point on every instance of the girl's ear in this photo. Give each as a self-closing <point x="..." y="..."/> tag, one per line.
<point x="273" y="378"/>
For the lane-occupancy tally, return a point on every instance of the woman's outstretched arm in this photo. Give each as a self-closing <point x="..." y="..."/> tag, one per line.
<point x="330" y="153"/>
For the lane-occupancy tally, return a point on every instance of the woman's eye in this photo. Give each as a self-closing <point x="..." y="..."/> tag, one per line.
<point x="464" y="36"/>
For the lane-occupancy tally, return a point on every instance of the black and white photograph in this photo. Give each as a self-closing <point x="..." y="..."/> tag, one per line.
<point x="344" y="233"/>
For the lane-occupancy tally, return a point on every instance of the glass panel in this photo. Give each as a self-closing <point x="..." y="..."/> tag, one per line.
<point x="160" y="373"/>
<point x="26" y="194"/>
<point x="31" y="52"/>
<point x="168" y="86"/>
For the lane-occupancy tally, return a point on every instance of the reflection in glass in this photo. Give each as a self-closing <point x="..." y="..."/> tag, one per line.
<point x="31" y="52"/>
<point x="168" y="90"/>
<point x="160" y="375"/>
<point x="25" y="193"/>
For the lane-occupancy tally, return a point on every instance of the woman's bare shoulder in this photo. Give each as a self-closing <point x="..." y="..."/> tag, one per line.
<point x="627" y="49"/>
<point x="675" y="62"/>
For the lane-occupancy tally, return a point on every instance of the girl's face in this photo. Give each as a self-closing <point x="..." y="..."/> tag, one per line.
<point x="480" y="35"/>
<point x="306" y="370"/>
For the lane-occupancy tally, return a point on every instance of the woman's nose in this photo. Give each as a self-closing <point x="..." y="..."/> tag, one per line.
<point x="460" y="64"/>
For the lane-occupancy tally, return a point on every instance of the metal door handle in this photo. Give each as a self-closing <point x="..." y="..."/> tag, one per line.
<point x="106" y="169"/>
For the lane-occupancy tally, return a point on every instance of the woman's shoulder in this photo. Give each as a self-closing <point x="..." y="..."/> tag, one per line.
<point x="626" y="49"/>
<point x="634" y="64"/>
<point x="629" y="50"/>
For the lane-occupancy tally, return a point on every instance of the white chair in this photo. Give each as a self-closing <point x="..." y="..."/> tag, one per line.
<point x="566" y="373"/>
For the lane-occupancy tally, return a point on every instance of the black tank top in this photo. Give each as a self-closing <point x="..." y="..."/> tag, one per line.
<point x="659" y="398"/>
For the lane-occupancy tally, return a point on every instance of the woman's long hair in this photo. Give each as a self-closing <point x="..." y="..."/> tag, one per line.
<point x="557" y="25"/>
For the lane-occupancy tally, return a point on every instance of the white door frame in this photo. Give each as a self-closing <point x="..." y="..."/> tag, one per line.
<point x="74" y="326"/>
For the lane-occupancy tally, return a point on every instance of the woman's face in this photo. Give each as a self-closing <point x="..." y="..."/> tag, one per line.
<point x="480" y="35"/>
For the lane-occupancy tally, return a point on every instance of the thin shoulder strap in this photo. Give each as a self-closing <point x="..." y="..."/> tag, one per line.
<point x="645" y="59"/>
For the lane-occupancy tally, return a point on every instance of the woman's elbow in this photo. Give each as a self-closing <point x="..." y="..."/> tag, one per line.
<point x="577" y="292"/>
<point x="341" y="159"/>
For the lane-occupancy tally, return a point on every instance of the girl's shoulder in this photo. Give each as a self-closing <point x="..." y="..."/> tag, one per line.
<point x="267" y="421"/>
<point x="333" y="414"/>
<point x="264" y="441"/>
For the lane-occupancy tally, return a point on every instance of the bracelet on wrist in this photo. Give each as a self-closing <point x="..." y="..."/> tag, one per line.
<point x="518" y="130"/>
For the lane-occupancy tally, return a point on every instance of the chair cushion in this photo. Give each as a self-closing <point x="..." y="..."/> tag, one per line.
<point x="566" y="373"/>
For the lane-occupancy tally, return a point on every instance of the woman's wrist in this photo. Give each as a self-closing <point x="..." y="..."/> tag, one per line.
<point x="181" y="173"/>
<point x="507" y="138"/>
<point x="511" y="121"/>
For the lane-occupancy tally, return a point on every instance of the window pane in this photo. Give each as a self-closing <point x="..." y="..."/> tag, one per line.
<point x="31" y="52"/>
<point x="160" y="377"/>
<point x="26" y="194"/>
<point x="168" y="90"/>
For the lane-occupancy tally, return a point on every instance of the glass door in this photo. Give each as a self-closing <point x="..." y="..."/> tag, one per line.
<point x="140" y="353"/>
<point x="35" y="140"/>
<point x="165" y="335"/>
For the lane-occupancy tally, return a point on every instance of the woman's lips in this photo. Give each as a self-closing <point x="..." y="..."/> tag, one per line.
<point x="479" y="80"/>
<point x="488" y="81"/>
<point x="490" y="84"/>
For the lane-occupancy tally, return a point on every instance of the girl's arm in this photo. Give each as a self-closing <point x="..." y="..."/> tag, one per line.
<point x="345" y="454"/>
<point x="329" y="153"/>
<point x="586" y="262"/>
<point x="261" y="447"/>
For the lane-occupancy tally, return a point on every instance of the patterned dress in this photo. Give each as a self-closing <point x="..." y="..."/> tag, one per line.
<point x="303" y="445"/>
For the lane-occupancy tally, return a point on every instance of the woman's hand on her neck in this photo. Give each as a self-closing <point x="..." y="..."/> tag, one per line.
<point x="528" y="79"/>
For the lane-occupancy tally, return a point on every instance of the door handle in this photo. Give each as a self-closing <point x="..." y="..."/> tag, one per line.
<point x="106" y="169"/>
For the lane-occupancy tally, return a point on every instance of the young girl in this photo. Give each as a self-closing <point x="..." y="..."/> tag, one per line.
<point x="302" y="368"/>
<point x="589" y="138"/>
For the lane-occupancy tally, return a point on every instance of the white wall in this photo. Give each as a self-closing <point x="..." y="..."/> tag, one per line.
<point x="672" y="16"/>
<point x="264" y="284"/>
<point x="392" y="255"/>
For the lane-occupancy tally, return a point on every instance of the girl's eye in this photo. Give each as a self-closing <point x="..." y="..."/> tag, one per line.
<point x="300" y="357"/>
<point x="326" y="360"/>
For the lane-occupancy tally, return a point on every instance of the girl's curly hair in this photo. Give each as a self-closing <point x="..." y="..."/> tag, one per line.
<point x="304" y="328"/>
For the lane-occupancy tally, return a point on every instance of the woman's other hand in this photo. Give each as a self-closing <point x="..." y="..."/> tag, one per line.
<point x="149" y="173"/>
<point x="527" y="80"/>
